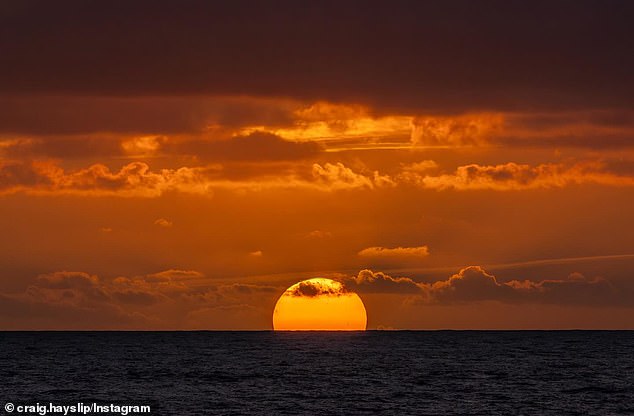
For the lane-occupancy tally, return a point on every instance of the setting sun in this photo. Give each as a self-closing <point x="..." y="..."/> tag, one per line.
<point x="319" y="305"/>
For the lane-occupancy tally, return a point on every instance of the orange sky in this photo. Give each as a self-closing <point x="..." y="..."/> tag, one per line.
<point x="445" y="199"/>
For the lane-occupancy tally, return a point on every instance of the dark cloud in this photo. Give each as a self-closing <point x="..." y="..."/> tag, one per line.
<point x="368" y="281"/>
<point x="474" y="284"/>
<point x="62" y="147"/>
<point x="597" y="141"/>
<point x="173" y="275"/>
<point x="20" y="174"/>
<point x="256" y="146"/>
<point x="67" y="280"/>
<point x="409" y="54"/>
<point x="259" y="146"/>
<point x="59" y="115"/>
<point x="310" y="288"/>
<point x="19" y="312"/>
<point x="135" y="297"/>
<point x="247" y="289"/>
<point x="69" y="300"/>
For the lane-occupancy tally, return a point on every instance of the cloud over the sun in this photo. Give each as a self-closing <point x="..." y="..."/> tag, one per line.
<point x="315" y="287"/>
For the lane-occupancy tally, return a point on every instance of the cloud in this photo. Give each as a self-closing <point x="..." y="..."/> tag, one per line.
<point x="318" y="234"/>
<point x="535" y="46"/>
<point x="245" y="288"/>
<point x="173" y="275"/>
<point x="62" y="147"/>
<point x="162" y="222"/>
<point x="341" y="125"/>
<point x="313" y="288"/>
<point x="468" y="130"/>
<point x="67" y="280"/>
<point x="132" y="180"/>
<point x="595" y="129"/>
<point x="136" y="179"/>
<point x="513" y="176"/>
<point x="142" y="145"/>
<point x="474" y="284"/>
<point x="45" y="115"/>
<point x="337" y="176"/>
<point x="219" y="144"/>
<point x="398" y="252"/>
<point x="368" y="281"/>
<point x="420" y="167"/>
<point x="67" y="288"/>
<point x="258" y="146"/>
<point x="68" y="299"/>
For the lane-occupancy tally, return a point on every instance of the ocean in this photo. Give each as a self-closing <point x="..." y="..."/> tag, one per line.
<point x="324" y="373"/>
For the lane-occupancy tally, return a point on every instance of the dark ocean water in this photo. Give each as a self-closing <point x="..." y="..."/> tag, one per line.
<point x="384" y="372"/>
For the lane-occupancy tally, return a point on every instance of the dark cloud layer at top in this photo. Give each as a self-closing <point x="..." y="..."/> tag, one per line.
<point x="408" y="54"/>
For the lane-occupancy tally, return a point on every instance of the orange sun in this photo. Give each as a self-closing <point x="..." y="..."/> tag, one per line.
<point x="319" y="305"/>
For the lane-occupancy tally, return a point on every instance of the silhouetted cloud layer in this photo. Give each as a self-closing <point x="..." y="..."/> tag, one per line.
<point x="474" y="284"/>
<point x="183" y="298"/>
<point x="69" y="299"/>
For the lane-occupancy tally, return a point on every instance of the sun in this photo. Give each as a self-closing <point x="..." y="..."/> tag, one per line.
<point x="319" y="305"/>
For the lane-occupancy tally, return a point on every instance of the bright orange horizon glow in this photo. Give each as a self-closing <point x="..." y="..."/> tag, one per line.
<point x="319" y="305"/>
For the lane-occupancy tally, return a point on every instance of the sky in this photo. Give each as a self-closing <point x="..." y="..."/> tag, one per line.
<point x="179" y="165"/>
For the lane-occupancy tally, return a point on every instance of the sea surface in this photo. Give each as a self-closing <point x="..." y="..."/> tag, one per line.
<point x="325" y="373"/>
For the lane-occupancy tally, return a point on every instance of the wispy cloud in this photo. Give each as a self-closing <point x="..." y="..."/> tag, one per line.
<point x="396" y="252"/>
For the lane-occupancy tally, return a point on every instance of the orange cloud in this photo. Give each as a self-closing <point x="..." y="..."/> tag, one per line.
<point x="162" y="222"/>
<point x="136" y="179"/>
<point x="132" y="180"/>
<point x="337" y="176"/>
<point x="513" y="176"/>
<point x="397" y="252"/>
<point x="318" y="234"/>
<point x="324" y="122"/>
<point x="452" y="131"/>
